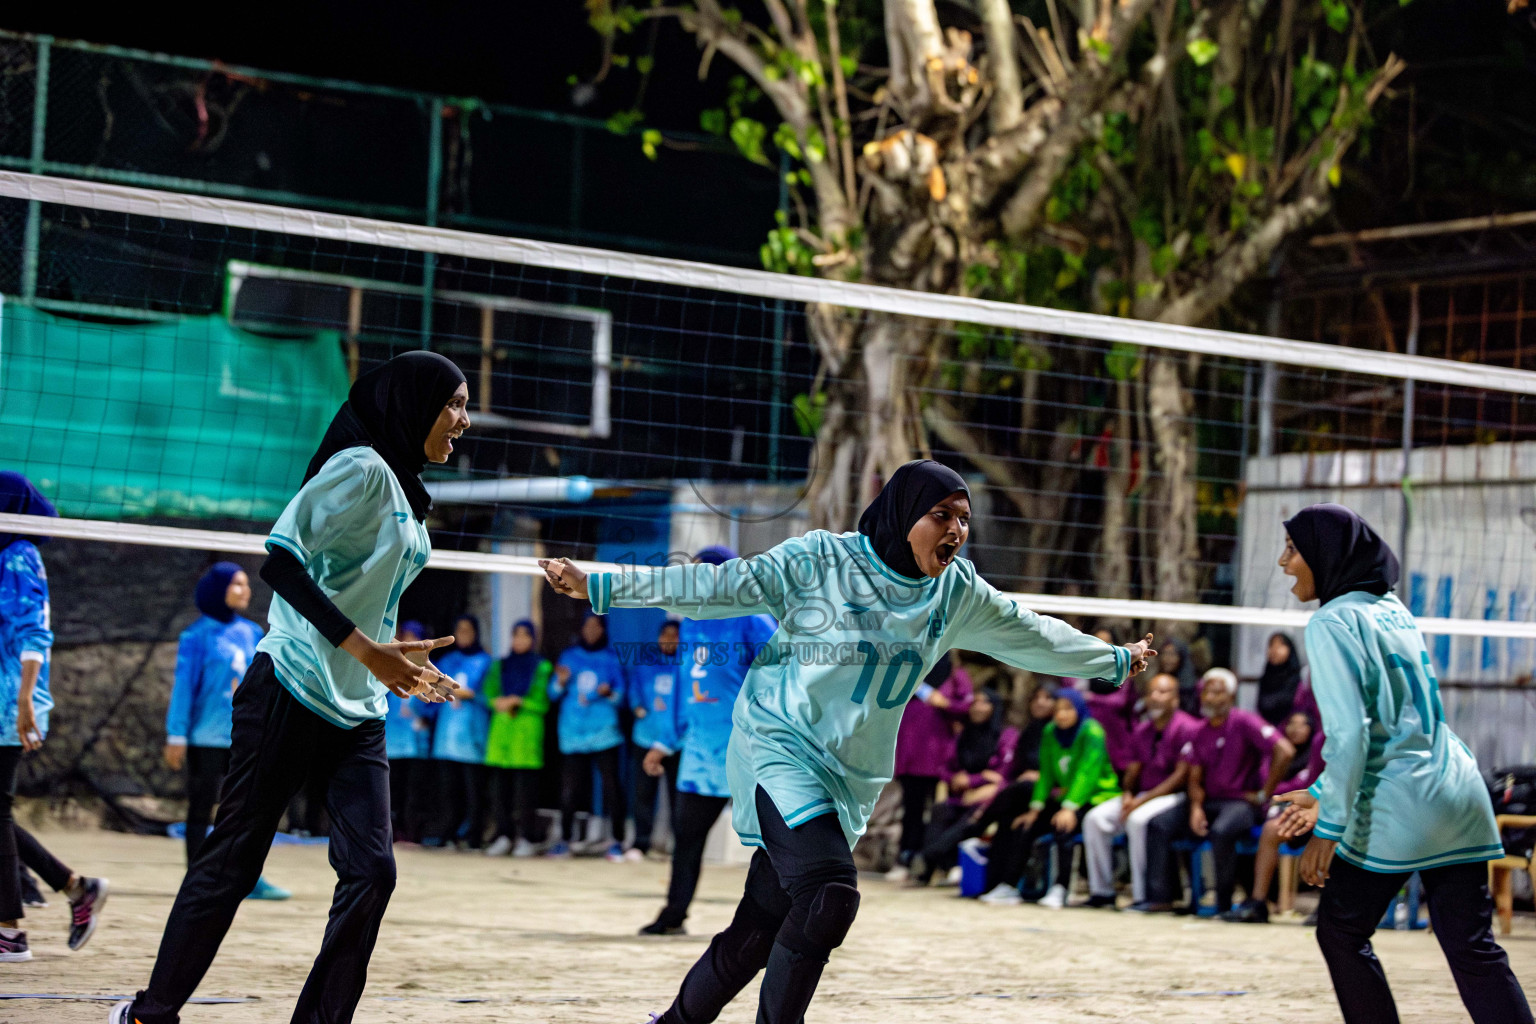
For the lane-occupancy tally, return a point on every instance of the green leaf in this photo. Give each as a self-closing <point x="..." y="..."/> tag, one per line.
<point x="748" y="136"/>
<point x="620" y="60"/>
<point x="1122" y="361"/>
<point x="809" y="412"/>
<point x="784" y="138"/>
<point x="1202" y="51"/>
<point x="712" y="121"/>
<point x="621" y="122"/>
<point x="850" y="65"/>
<point x="1336" y="13"/>
<point x="645" y="64"/>
<point x="650" y="139"/>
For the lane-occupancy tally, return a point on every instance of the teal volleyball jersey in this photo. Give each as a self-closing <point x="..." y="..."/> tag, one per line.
<point x="353" y="530"/>
<point x="816" y="719"/>
<point x="1400" y="790"/>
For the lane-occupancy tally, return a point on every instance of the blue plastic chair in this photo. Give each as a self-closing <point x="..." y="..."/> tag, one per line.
<point x="1196" y="848"/>
<point x="1413" y="892"/>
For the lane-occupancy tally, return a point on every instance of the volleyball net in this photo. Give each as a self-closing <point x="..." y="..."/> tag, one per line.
<point x="168" y="363"/>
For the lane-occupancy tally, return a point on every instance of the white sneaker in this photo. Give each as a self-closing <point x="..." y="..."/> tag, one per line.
<point x="953" y="878"/>
<point x="524" y="849"/>
<point x="1002" y="896"/>
<point x="634" y="856"/>
<point x="899" y="873"/>
<point x="119" y="1014"/>
<point x="1056" y="898"/>
<point x="500" y="848"/>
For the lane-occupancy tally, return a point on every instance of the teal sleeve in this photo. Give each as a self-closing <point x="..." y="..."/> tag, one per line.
<point x="741" y="586"/>
<point x="1087" y="768"/>
<point x="340" y="506"/>
<point x="1339" y="667"/>
<point x="997" y="625"/>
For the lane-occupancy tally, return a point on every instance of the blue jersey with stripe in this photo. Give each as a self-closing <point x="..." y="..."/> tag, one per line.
<point x="719" y="653"/>
<point x="1400" y="790"/>
<point x="653" y="699"/>
<point x="211" y="659"/>
<point x="352" y="529"/>
<point x="817" y="716"/>
<point x="589" y="721"/>
<point x="26" y="634"/>
<point x="463" y="725"/>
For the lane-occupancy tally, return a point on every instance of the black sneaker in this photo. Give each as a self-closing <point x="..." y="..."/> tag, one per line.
<point x="31" y="896"/>
<point x="14" y="949"/>
<point x="1098" y="901"/>
<point x="85" y="910"/>
<point x="659" y="928"/>
<point x="1251" y="912"/>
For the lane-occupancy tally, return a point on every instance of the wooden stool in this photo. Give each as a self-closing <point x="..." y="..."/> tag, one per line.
<point x="1501" y="872"/>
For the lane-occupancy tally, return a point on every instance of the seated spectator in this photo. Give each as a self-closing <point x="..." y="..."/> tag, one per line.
<point x="1075" y="774"/>
<point x="1154" y="783"/>
<point x="980" y="767"/>
<point x="1280" y="680"/>
<point x="1113" y="707"/>
<point x="1173" y="658"/>
<point x="1226" y="795"/>
<point x="925" y="745"/>
<point x="1309" y="754"/>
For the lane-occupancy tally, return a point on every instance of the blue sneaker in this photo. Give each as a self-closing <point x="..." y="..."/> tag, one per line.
<point x="560" y="851"/>
<point x="265" y="890"/>
<point x="615" y="853"/>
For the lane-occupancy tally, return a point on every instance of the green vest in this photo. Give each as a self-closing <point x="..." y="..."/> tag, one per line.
<point x="517" y="741"/>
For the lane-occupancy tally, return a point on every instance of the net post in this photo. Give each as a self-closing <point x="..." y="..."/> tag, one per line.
<point x="1404" y="482"/>
<point x="434" y="183"/>
<point x="31" y="240"/>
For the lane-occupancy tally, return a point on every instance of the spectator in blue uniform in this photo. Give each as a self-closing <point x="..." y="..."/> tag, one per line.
<point x="717" y="653"/>
<point x="211" y="659"/>
<point x="458" y="742"/>
<point x="589" y="684"/>
<point x="26" y="643"/>
<point x="408" y="743"/>
<point x="653" y="701"/>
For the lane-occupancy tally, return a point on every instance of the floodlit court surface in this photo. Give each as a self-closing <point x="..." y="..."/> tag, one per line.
<point x="468" y="938"/>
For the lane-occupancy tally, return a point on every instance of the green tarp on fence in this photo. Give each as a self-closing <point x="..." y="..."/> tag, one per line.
<point x="190" y="418"/>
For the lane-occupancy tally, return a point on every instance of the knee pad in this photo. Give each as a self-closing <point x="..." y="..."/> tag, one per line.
<point x="831" y="915"/>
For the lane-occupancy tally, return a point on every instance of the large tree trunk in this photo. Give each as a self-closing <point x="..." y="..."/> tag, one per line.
<point x="1113" y="568"/>
<point x="1169" y="407"/>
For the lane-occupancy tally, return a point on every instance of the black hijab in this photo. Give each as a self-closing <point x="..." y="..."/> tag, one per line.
<point x="906" y="497"/>
<point x="1277" y="685"/>
<point x="391" y="409"/>
<point x="1343" y="552"/>
<point x="977" y="743"/>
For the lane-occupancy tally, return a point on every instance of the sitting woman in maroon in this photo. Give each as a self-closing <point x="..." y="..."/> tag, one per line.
<point x="925" y="745"/>
<point x="1308" y="741"/>
<point x="981" y="765"/>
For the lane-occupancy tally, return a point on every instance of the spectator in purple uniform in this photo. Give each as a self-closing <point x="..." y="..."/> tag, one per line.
<point x="925" y="744"/>
<point x="1303" y="734"/>
<point x="1113" y="707"/>
<point x="982" y="764"/>
<point x="1155" y="781"/>
<point x="1226" y="791"/>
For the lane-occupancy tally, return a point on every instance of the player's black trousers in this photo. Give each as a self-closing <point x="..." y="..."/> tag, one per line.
<point x="206" y="768"/>
<point x="696" y="815"/>
<point x="796" y="884"/>
<point x="648" y="794"/>
<point x="277" y="743"/>
<point x="18" y="847"/>
<point x="1461" y="911"/>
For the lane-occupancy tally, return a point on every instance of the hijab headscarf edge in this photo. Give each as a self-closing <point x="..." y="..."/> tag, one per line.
<point x="1344" y="553"/>
<point x="907" y="496"/>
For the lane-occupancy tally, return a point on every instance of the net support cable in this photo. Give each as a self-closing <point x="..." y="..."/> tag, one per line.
<point x="560" y="256"/>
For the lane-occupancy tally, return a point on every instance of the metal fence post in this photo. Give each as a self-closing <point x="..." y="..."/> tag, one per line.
<point x="31" y="240"/>
<point x="434" y="184"/>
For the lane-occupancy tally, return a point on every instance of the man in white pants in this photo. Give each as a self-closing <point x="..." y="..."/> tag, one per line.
<point x="1157" y="776"/>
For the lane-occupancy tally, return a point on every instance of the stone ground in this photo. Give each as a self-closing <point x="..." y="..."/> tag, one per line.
<point x="473" y="939"/>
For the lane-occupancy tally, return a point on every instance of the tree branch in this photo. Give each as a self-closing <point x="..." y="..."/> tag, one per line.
<point x="840" y="93"/>
<point x="1026" y="208"/>
<point x="1007" y="107"/>
<point x="943" y="420"/>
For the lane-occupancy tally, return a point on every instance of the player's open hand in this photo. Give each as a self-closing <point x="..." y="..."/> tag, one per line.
<point x="564" y="576"/>
<point x="1299" y="814"/>
<point x="403" y="666"/>
<point x="1141" y="654"/>
<point x="1316" y="860"/>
